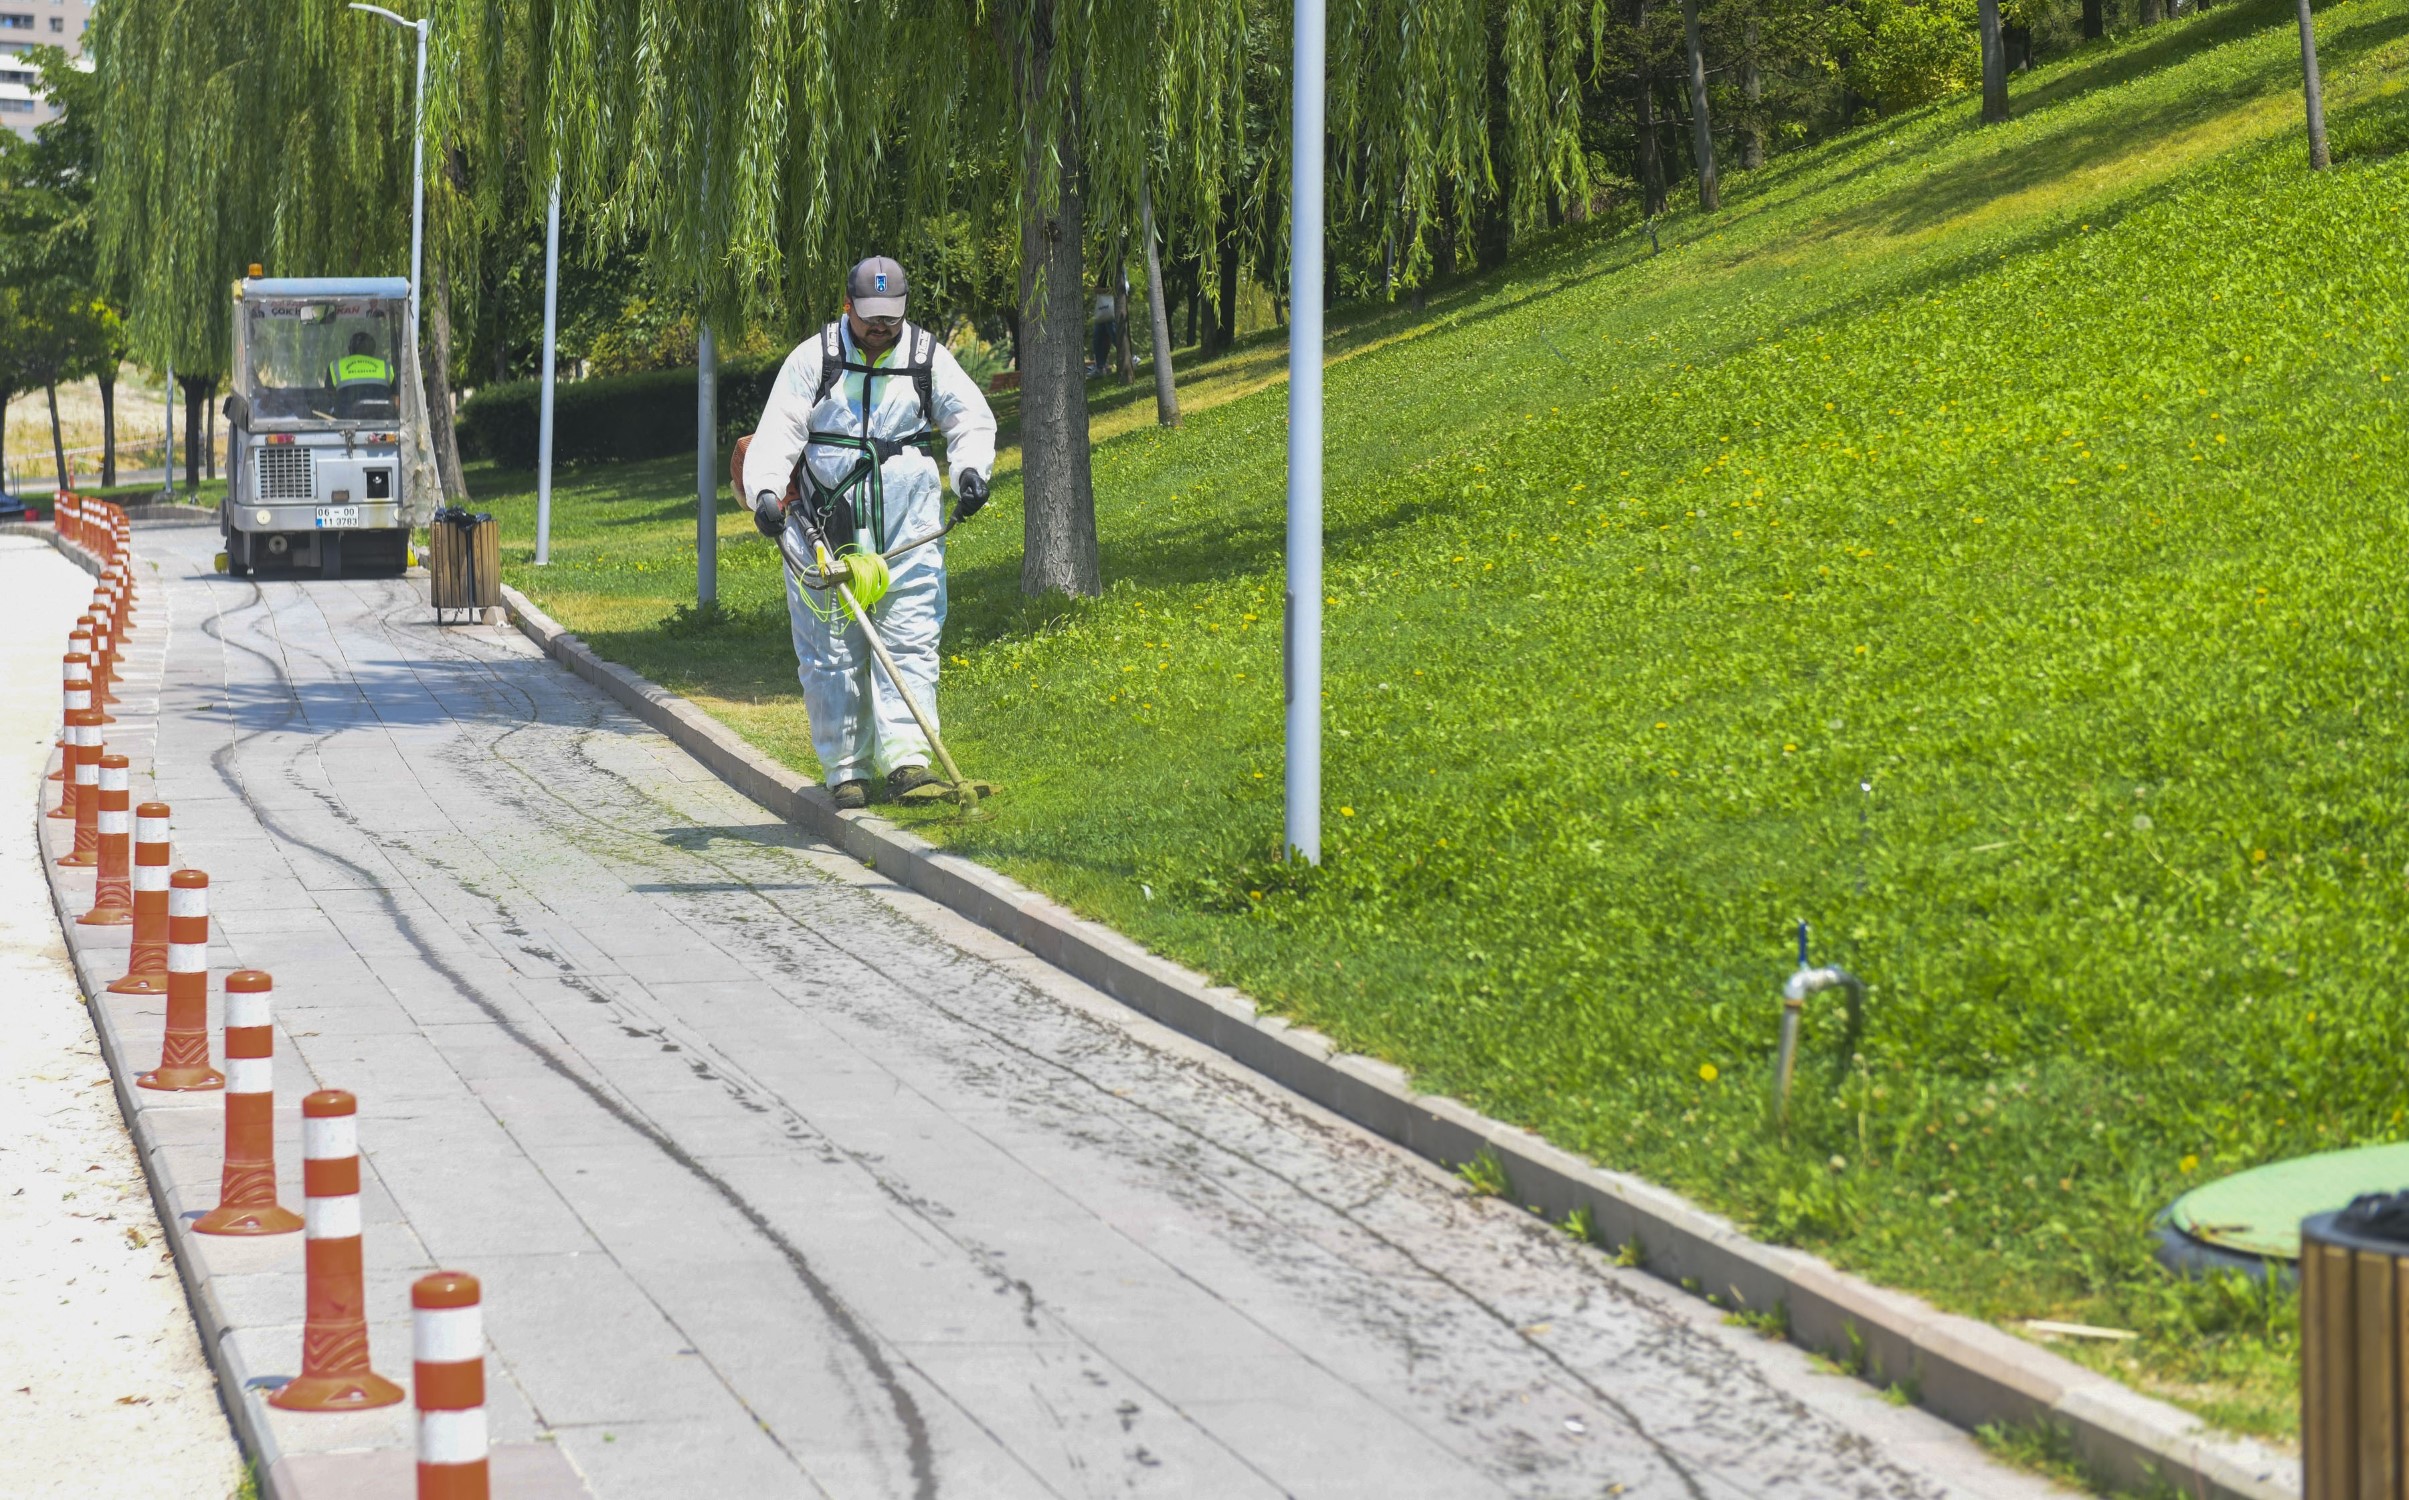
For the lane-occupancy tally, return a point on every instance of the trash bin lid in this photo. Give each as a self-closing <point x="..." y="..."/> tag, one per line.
<point x="2258" y="1212"/>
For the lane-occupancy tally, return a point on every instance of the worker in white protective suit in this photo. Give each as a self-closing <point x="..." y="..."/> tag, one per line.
<point x="855" y="406"/>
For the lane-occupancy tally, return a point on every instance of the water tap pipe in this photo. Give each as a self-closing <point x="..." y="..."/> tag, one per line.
<point x="1802" y="983"/>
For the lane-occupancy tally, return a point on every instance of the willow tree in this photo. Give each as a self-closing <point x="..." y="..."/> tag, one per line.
<point x="233" y="134"/>
<point x="754" y="152"/>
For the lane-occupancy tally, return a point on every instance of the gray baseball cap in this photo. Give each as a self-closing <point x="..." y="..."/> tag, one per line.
<point x="877" y="288"/>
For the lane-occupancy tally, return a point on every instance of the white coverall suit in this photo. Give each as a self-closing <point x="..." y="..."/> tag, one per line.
<point x="858" y="725"/>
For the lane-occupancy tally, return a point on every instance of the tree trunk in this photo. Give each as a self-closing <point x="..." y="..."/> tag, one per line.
<point x="1493" y="223"/>
<point x="1058" y="513"/>
<point x="1442" y="256"/>
<point x="58" y="444"/>
<point x="2152" y="12"/>
<point x="2312" y="90"/>
<point x="1195" y="300"/>
<point x="438" y="374"/>
<point x="1994" y="64"/>
<point x="1752" y="89"/>
<point x="1709" y="197"/>
<point x="1651" y="154"/>
<point x="1158" y="313"/>
<point x="196" y="397"/>
<point x="2095" y="20"/>
<point x="1221" y="321"/>
<point x="2018" y="41"/>
<point x="209" y="437"/>
<point x="108" y="425"/>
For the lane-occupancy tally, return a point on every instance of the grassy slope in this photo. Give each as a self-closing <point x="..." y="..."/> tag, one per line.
<point x="2044" y="479"/>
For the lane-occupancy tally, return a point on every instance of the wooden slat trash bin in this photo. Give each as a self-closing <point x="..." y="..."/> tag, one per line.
<point x="2354" y="1336"/>
<point x="464" y="563"/>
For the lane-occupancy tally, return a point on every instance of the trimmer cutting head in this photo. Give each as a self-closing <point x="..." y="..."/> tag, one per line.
<point x="941" y="791"/>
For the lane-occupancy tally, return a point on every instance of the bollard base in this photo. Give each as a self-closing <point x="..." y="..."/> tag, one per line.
<point x="139" y="984"/>
<point x="181" y="1080"/>
<point x="106" y="916"/>
<point x="336" y="1393"/>
<point x="81" y="859"/>
<point x="266" y="1218"/>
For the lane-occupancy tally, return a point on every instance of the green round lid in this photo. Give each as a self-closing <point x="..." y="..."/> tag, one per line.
<point x="2258" y="1212"/>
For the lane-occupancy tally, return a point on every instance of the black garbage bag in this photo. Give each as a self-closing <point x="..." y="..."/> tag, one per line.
<point x="2377" y="1216"/>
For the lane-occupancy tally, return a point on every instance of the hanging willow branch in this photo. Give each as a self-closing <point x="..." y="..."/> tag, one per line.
<point x="239" y="133"/>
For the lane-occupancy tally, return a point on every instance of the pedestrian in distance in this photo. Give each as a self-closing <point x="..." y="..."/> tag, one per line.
<point x="846" y="437"/>
<point x="1107" y="333"/>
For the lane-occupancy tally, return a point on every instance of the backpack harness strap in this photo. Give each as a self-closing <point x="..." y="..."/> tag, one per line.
<point x="833" y="507"/>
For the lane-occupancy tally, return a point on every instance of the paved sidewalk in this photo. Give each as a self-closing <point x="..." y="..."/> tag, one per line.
<point x="783" y="1181"/>
<point x="106" y="1390"/>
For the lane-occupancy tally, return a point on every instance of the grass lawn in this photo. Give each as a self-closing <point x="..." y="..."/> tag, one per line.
<point x="1984" y="544"/>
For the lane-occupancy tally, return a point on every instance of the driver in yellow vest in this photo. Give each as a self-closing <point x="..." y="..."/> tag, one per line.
<point x="361" y="372"/>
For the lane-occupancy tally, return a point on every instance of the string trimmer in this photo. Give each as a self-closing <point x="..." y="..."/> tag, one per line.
<point x="833" y="572"/>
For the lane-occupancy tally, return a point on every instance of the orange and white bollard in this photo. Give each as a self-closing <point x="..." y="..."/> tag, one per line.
<point x="84" y="724"/>
<point x="113" y="893"/>
<point x="184" y="1055"/>
<point x="104" y="648"/>
<point x="146" y="971"/>
<point x="75" y="686"/>
<point x="247" y="1187"/>
<point x="112" y="589"/>
<point x="447" y="1337"/>
<point x="334" y="1336"/>
<point x="98" y="671"/>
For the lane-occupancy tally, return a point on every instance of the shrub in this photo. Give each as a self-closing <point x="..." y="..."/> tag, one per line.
<point x="614" y="417"/>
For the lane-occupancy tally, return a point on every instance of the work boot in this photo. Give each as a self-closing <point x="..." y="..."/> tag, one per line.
<point x="851" y="796"/>
<point x="903" y="778"/>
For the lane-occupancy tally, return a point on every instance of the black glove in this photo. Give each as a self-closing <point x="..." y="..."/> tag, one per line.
<point x="970" y="492"/>
<point x="769" y="515"/>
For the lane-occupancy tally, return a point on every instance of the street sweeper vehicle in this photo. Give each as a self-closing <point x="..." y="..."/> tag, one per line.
<point x="316" y="476"/>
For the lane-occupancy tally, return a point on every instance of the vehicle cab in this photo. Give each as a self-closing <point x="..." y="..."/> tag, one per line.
<point x="315" y="471"/>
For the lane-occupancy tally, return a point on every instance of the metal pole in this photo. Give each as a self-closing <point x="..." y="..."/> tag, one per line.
<point x="706" y="471"/>
<point x="418" y="175"/>
<point x="1304" y="617"/>
<point x="418" y="186"/>
<point x="543" y="442"/>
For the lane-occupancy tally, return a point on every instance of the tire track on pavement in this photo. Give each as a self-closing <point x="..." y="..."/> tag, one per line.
<point x="919" y="1453"/>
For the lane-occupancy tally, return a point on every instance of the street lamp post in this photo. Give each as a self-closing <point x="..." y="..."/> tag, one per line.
<point x="418" y="165"/>
<point x="543" y="443"/>
<point x="1304" y="821"/>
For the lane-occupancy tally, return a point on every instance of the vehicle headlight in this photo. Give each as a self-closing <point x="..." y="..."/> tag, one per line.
<point x="263" y="517"/>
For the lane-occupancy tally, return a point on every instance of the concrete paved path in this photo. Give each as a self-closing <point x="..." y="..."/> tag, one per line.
<point x="782" y="1181"/>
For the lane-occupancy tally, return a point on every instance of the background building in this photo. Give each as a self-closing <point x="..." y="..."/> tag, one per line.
<point x="24" y="25"/>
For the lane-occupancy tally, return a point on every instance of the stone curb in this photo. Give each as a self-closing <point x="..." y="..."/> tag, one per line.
<point x="538" y="1471"/>
<point x="1966" y="1371"/>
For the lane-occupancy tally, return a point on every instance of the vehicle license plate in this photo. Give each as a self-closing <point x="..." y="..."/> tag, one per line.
<point x="338" y="515"/>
